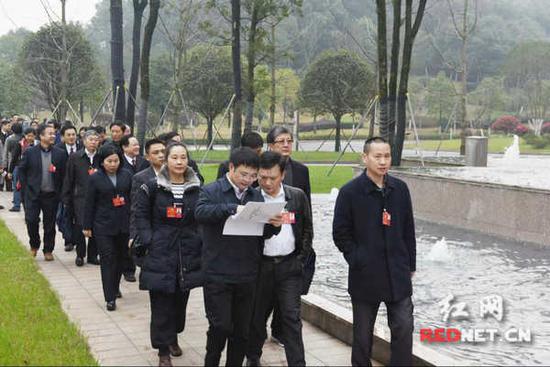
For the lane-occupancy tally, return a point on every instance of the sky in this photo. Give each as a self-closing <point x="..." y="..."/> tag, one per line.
<point x="31" y="14"/>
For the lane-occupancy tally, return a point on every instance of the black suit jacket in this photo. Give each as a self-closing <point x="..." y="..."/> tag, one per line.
<point x="298" y="177"/>
<point x="141" y="164"/>
<point x="100" y="215"/>
<point x="75" y="184"/>
<point x="62" y="146"/>
<point x="139" y="179"/>
<point x="30" y="172"/>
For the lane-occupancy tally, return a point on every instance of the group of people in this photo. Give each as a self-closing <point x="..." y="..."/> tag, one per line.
<point x="120" y="209"/>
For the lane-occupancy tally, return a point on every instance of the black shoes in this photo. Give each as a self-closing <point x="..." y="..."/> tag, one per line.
<point x="165" y="361"/>
<point x="79" y="261"/>
<point x="119" y="295"/>
<point x="253" y="362"/>
<point x="93" y="261"/>
<point x="175" y="350"/>
<point x="130" y="278"/>
<point x="111" y="305"/>
<point x="69" y="247"/>
<point x="15" y="210"/>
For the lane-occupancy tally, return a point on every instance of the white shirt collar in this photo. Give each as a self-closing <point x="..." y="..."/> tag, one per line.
<point x="238" y="192"/>
<point x="91" y="155"/>
<point x="129" y="159"/>
<point x="280" y="194"/>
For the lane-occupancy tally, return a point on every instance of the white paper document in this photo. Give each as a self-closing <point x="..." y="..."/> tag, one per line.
<point x="250" y="221"/>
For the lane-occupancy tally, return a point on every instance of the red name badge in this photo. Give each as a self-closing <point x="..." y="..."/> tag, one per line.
<point x="52" y="168"/>
<point x="289" y="218"/>
<point x="174" y="212"/>
<point x="91" y="171"/>
<point x="386" y="218"/>
<point x="118" y="201"/>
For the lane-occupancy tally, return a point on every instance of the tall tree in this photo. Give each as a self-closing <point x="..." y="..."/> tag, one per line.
<point x="237" y="81"/>
<point x="337" y="83"/>
<point x="397" y="91"/>
<point x="139" y="8"/>
<point x="64" y="71"/>
<point x="145" y="56"/>
<point x="117" y="61"/>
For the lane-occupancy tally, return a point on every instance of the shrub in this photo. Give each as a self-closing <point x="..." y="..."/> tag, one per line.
<point x="537" y="142"/>
<point x="506" y="124"/>
<point x="521" y="130"/>
<point x="545" y="128"/>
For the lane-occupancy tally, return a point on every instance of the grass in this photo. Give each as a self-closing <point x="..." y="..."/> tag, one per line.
<point x="34" y="330"/>
<point x="320" y="183"/>
<point x="497" y="144"/>
<point x="305" y="157"/>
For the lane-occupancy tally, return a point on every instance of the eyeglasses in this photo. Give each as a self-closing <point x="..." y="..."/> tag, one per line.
<point x="284" y="141"/>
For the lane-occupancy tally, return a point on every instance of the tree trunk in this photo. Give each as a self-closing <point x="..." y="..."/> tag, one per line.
<point x="463" y="120"/>
<point x="408" y="42"/>
<point x="139" y="7"/>
<point x="210" y="124"/>
<point x="273" y="81"/>
<point x="394" y="69"/>
<point x="382" y="67"/>
<point x="251" y="60"/>
<point x="236" y="58"/>
<point x="61" y="113"/>
<point x="147" y="42"/>
<point x="117" y="61"/>
<point x="338" y="119"/>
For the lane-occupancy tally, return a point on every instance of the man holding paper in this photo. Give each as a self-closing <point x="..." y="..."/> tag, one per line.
<point x="282" y="270"/>
<point x="230" y="262"/>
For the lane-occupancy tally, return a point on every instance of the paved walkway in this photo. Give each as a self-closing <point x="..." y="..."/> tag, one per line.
<point x="122" y="337"/>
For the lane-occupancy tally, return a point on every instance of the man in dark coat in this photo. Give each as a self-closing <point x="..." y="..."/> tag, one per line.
<point x="230" y="263"/>
<point x="133" y="161"/>
<point x="80" y="166"/>
<point x="280" y="139"/>
<point x="41" y="179"/>
<point x="374" y="228"/>
<point x="281" y="271"/>
<point x="69" y="144"/>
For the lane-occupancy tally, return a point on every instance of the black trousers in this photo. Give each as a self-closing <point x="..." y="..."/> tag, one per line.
<point x="128" y="264"/>
<point x="111" y="250"/>
<point x="47" y="204"/>
<point x="229" y="311"/>
<point x="401" y="323"/>
<point x="167" y="318"/>
<point x="279" y="284"/>
<point x="80" y="243"/>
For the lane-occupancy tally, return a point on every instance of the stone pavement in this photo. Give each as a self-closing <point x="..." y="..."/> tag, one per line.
<point x="122" y="337"/>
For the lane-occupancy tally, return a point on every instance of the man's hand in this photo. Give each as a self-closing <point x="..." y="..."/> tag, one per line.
<point x="277" y="220"/>
<point x="87" y="233"/>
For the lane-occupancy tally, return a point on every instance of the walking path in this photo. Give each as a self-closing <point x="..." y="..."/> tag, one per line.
<point x="122" y="337"/>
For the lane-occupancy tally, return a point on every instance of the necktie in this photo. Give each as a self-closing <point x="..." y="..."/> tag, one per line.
<point x="72" y="150"/>
<point x="134" y="162"/>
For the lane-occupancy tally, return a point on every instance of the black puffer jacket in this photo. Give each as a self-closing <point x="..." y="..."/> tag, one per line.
<point x="173" y="244"/>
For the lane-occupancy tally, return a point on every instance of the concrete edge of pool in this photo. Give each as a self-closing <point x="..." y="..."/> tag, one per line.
<point x="337" y="321"/>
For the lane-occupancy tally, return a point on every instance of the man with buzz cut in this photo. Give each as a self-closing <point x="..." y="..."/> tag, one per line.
<point x="374" y="228"/>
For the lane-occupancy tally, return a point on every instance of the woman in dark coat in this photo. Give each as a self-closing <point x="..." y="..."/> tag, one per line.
<point x="170" y="246"/>
<point x="106" y="218"/>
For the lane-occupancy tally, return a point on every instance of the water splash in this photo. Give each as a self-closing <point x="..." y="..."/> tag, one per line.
<point x="440" y="252"/>
<point x="511" y="154"/>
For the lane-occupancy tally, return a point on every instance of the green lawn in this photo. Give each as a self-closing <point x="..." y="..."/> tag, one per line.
<point x="319" y="157"/>
<point x="497" y="144"/>
<point x="34" y="330"/>
<point x="320" y="182"/>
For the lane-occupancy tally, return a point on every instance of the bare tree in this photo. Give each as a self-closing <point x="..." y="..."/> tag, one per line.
<point x="145" y="56"/>
<point x="236" y="57"/>
<point x="117" y="61"/>
<point x="139" y="8"/>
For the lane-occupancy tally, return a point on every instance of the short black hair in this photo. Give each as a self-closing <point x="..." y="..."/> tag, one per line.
<point x="151" y="142"/>
<point x="67" y="127"/>
<point x="370" y="141"/>
<point x="83" y="128"/>
<point x="5" y="121"/>
<point x="120" y="124"/>
<point x="41" y="129"/>
<point x="56" y="124"/>
<point x="252" y="140"/>
<point x="244" y="156"/>
<point x="17" y="128"/>
<point x="125" y="140"/>
<point x="270" y="159"/>
<point x="29" y="130"/>
<point x="99" y="129"/>
<point x="168" y="136"/>
<point x="275" y="132"/>
<point x="107" y="150"/>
